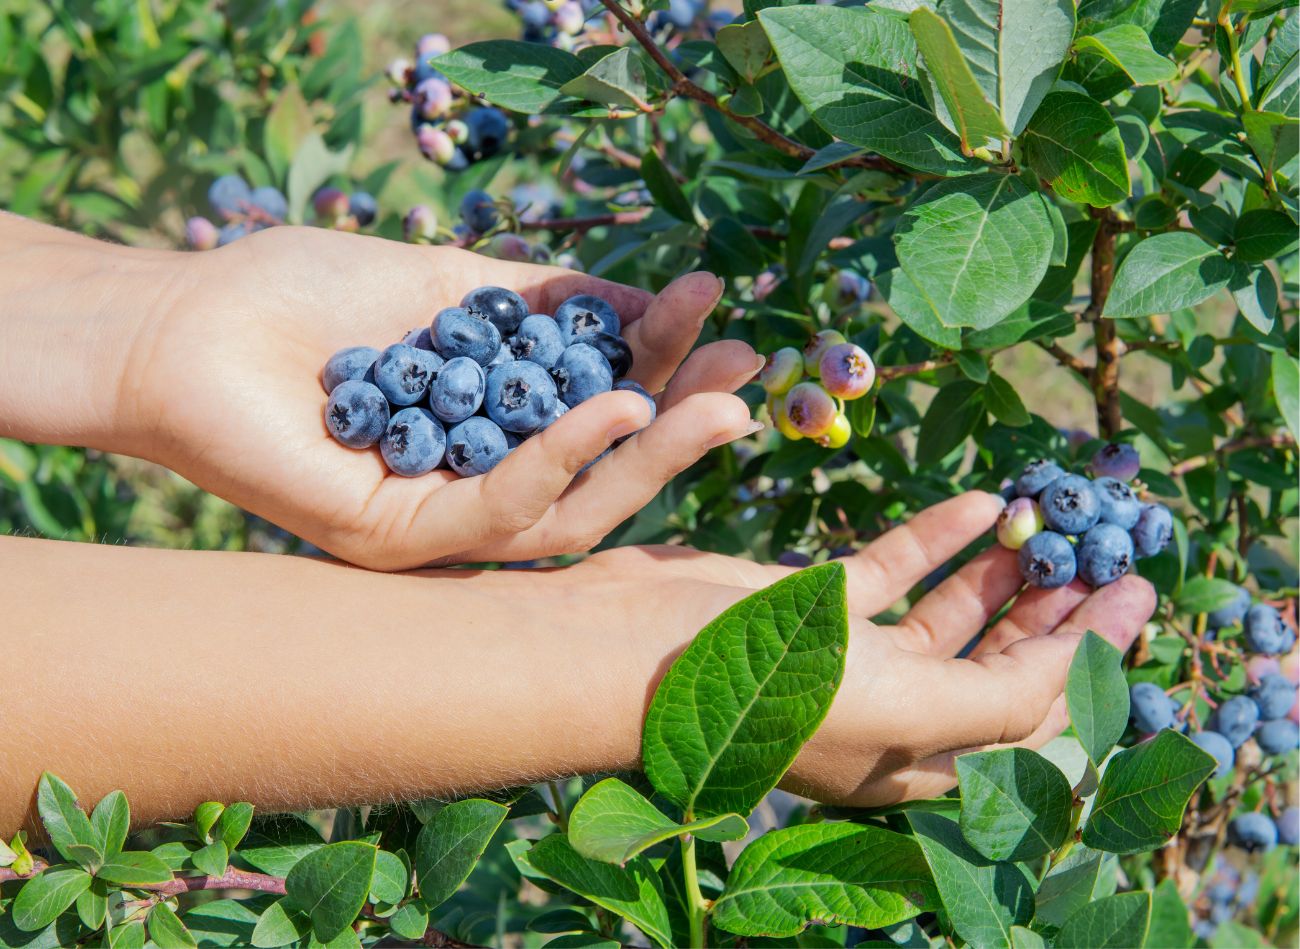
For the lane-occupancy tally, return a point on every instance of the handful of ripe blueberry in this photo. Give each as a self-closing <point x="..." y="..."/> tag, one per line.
<point x="806" y="391"/>
<point x="467" y="390"/>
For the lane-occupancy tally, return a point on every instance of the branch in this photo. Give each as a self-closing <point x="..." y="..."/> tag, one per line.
<point x="1278" y="440"/>
<point x="1105" y="376"/>
<point x="885" y="373"/>
<point x="1067" y="358"/>
<point x="584" y="224"/>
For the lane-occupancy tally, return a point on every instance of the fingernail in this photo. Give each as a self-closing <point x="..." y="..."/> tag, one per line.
<point x="752" y="428"/>
<point x="759" y="364"/>
<point x="1002" y="502"/>
<point x="749" y="375"/>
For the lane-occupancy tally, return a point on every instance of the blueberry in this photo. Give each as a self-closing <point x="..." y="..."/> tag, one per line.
<point x="1263" y="630"/>
<point x="627" y="385"/>
<point x="1288" y="639"/>
<point x="419" y="338"/>
<point x="363" y="207"/>
<point x="351" y="363"/>
<point x="792" y="558"/>
<point x="583" y="314"/>
<point x="1105" y="554"/>
<point x="414" y="442"/>
<point x="503" y="356"/>
<point x="1236" y="719"/>
<point x="200" y="233"/>
<point x="1119" y="505"/>
<point x="488" y="130"/>
<point x="781" y="371"/>
<point x="1288" y="826"/>
<point x="271" y="202"/>
<point x="476" y="446"/>
<point x="1248" y="891"/>
<point x="559" y="409"/>
<point x="538" y="340"/>
<point x="1151" y="709"/>
<point x="1070" y="505"/>
<point x="1231" y="613"/>
<point x="457" y="392"/>
<point x="479" y="211"/>
<point x="1274" y="696"/>
<point x="1218" y="746"/>
<point x="329" y="204"/>
<point x="229" y="195"/>
<point x="356" y="413"/>
<point x="615" y="350"/>
<point x="521" y="396"/>
<point x="1036" y="476"/>
<point x="232" y="232"/>
<point x="504" y="309"/>
<point x="458" y="333"/>
<point x="1252" y="831"/>
<point x="404" y="373"/>
<point x="420" y="224"/>
<point x="580" y="373"/>
<point x="1279" y="737"/>
<point x="1153" y="530"/>
<point x="1047" y="561"/>
<point x="1019" y="521"/>
<point x="846" y="371"/>
<point x="1116" y="460"/>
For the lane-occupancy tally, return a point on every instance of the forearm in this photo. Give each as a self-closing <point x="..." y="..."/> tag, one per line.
<point x="186" y="676"/>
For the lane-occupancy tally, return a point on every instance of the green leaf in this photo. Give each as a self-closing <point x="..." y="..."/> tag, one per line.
<point x="1014" y="49"/>
<point x="916" y="310"/>
<point x="47" y="895"/>
<point x="970" y="114"/>
<point x="111" y="820"/>
<point x="451" y="843"/>
<point x="1166" y="272"/>
<point x="409" y="922"/>
<point x="64" y="820"/>
<point x="1073" y="883"/>
<point x="973" y="365"/>
<point x="1015" y="804"/>
<point x="233" y="824"/>
<point x="1255" y="292"/>
<point x="287" y="124"/>
<point x="331" y="884"/>
<point x="618" y="80"/>
<point x="736" y="706"/>
<point x="1117" y="921"/>
<point x="976" y="247"/>
<point x="952" y="415"/>
<point x="1096" y="694"/>
<point x="134" y="868"/>
<point x="92" y="904"/>
<point x="1264" y="234"/>
<point x="1205" y="595"/>
<point x="837" y="873"/>
<point x="746" y="48"/>
<point x="275" y="844"/>
<point x="1128" y="47"/>
<point x="1023" y="938"/>
<point x="206" y="815"/>
<point x="391" y="879"/>
<point x="857" y="72"/>
<point x="983" y="899"/>
<point x="613" y="823"/>
<point x="1143" y="793"/>
<point x="634" y="892"/>
<point x="1273" y="138"/>
<point x="1073" y="143"/>
<point x="1286" y="390"/>
<point x="1277" y="81"/>
<point x="166" y="929"/>
<point x="1001" y="398"/>
<point x="227" y="922"/>
<point x="312" y="166"/>
<point x="1169" y="927"/>
<point x="211" y="859"/>
<point x="127" y="936"/>
<point x="667" y="192"/>
<point x="281" y="924"/>
<point x="522" y="77"/>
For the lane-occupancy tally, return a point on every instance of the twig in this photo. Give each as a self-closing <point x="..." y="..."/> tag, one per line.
<point x="1277" y="440"/>
<point x="1067" y="358"/>
<point x="583" y="224"/>
<point x="1105" y="375"/>
<point x="885" y="373"/>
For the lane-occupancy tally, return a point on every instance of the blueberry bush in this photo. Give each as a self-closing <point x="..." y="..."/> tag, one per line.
<point x="1045" y="242"/>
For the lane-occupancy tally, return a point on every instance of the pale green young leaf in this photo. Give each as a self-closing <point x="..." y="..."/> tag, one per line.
<point x="970" y="114"/>
<point x="111" y="819"/>
<point x="64" y="820"/>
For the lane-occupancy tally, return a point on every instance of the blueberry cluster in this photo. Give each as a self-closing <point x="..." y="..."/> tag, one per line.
<point x="557" y="23"/>
<point x="1067" y="525"/>
<point x="451" y="128"/>
<point x="1226" y="893"/>
<point x="806" y="391"/>
<point x="467" y="390"/>
<point x="243" y="209"/>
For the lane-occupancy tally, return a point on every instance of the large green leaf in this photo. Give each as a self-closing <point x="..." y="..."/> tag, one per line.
<point x="1128" y="47"/>
<point x="451" y="843"/>
<point x="632" y="891"/>
<point x="976" y="247"/>
<point x="734" y="709"/>
<point x="65" y="822"/>
<point x="1273" y="138"/>
<point x="613" y="822"/>
<point x="1097" y="696"/>
<point x="1255" y="292"/>
<point x="952" y="415"/>
<point x="279" y="925"/>
<point x="618" y="80"/>
<point x="330" y="885"/>
<point x="1286" y="389"/>
<point x="139" y="867"/>
<point x="1080" y="878"/>
<point x="663" y="188"/>
<point x="166" y="929"/>
<point x="983" y="899"/>
<point x="1278" y="80"/>
<point x="857" y="72"/>
<point x="1074" y="144"/>
<point x="1116" y="922"/>
<point x="1143" y="793"/>
<point x="1015" y="804"/>
<point x="522" y="77"/>
<point x="1014" y="49"/>
<point x="915" y="310"/>
<point x="1164" y="273"/>
<point x="837" y="873"/>
<point x="1169" y="927"/>
<point x="48" y="894"/>
<point x="1263" y="234"/>
<point x="967" y="112"/>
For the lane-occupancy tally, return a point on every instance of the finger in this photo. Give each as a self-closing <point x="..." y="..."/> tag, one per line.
<point x="1035" y="613"/>
<point x="723" y="366"/>
<point x="666" y="334"/>
<point x="958" y="608"/>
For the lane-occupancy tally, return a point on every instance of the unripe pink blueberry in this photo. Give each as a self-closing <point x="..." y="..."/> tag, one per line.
<point x="330" y="204"/>
<point x="851" y="287"/>
<point x="781" y="371"/>
<point x="435" y="144"/>
<point x="839" y="435"/>
<point x="457" y="131"/>
<point x="399" y="72"/>
<point x="847" y="371"/>
<point x="433" y="98"/>
<point x="1259" y="666"/>
<point x="1020" y="520"/>
<point x="811" y="410"/>
<point x="568" y="261"/>
<point x="816" y="347"/>
<point x="764" y="284"/>
<point x="509" y="247"/>
<point x="420" y="224"/>
<point x="200" y="233"/>
<point x="569" y="17"/>
<point x="432" y="44"/>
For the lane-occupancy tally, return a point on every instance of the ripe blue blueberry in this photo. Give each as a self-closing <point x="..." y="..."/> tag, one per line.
<point x="503" y="356"/>
<point x="363" y="207"/>
<point x="1252" y="831"/>
<point x="271" y="202"/>
<point x="1153" y="530"/>
<point x="1116" y="460"/>
<point x="1274" y="696"/>
<point x="1069" y="505"/>
<point x="488" y="129"/>
<point x="476" y="446"/>
<point x="414" y="442"/>
<point x="628" y="385"/>
<point x="356" y="413"/>
<point x="1230" y="614"/>
<point x="230" y="195"/>
<point x="456" y="332"/>
<point x="479" y="211"/>
<point x="419" y="338"/>
<point x="1236" y="719"/>
<point x="1288" y="826"/>
<point x="232" y="232"/>
<point x="1279" y="737"/>
<point x="457" y="391"/>
<point x="1047" y="561"/>
<point x="538" y="340"/>
<point x="1218" y="746"/>
<point x="404" y="373"/>
<point x="1119" y="505"/>
<point x="521" y="396"/>
<point x="1105" y="554"/>
<point x="615" y="350"/>
<point x="1263" y="630"/>
<point x="583" y="314"/>
<point x="1036" y="476"/>
<point x="792" y="558"/>
<point x="580" y="373"/>
<point x="1151" y="709"/>
<point x="354" y="362"/>
<point x="503" y="308"/>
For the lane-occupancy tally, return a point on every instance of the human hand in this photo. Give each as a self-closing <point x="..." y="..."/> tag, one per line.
<point x="225" y="384"/>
